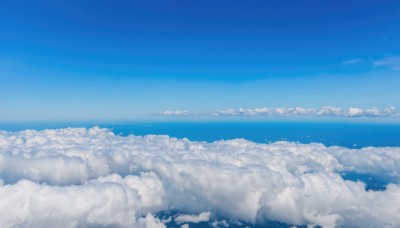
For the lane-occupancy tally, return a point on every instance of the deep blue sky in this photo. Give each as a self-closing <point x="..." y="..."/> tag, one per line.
<point x="123" y="60"/>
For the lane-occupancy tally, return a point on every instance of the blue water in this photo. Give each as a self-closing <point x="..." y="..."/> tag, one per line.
<point x="351" y="135"/>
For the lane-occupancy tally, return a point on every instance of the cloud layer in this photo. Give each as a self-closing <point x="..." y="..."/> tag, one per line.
<point x="91" y="177"/>
<point x="324" y="111"/>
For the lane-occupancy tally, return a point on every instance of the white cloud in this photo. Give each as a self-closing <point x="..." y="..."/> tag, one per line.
<point x="330" y="111"/>
<point x="175" y="113"/>
<point x="352" y="61"/>
<point x="392" y="62"/>
<point x="124" y="181"/>
<point x="224" y="223"/>
<point x="298" y="111"/>
<point x="29" y="204"/>
<point x="356" y="112"/>
<point x="202" y="217"/>
<point x="150" y="222"/>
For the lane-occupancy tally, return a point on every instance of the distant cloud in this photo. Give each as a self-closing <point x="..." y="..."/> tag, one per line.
<point x="392" y="62"/>
<point x="78" y="177"/>
<point x="352" y="61"/>
<point x="175" y="113"/>
<point x="323" y="111"/>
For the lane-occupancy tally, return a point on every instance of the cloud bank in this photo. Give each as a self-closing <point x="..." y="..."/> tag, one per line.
<point x="323" y="111"/>
<point x="91" y="177"/>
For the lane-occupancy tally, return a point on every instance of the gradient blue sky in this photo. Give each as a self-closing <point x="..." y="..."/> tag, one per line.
<point x="123" y="60"/>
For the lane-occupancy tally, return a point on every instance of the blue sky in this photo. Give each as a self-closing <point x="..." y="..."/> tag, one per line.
<point x="124" y="60"/>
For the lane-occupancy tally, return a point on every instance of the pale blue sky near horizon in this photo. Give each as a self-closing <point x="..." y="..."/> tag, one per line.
<point x="126" y="60"/>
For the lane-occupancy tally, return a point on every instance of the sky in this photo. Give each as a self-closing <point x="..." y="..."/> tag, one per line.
<point x="127" y="60"/>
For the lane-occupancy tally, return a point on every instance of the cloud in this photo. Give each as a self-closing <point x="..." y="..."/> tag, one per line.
<point x="29" y="204"/>
<point x="202" y="217"/>
<point x="330" y="111"/>
<point x="175" y="113"/>
<point x="126" y="181"/>
<point x="392" y="62"/>
<point x="355" y="112"/>
<point x="371" y="112"/>
<point x="150" y="222"/>
<point x="323" y="111"/>
<point x="352" y="61"/>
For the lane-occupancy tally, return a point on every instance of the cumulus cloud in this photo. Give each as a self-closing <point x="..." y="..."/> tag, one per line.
<point x="392" y="62"/>
<point x="125" y="181"/>
<point x="355" y="112"/>
<point x="202" y="217"/>
<point x="298" y="111"/>
<point x="150" y="222"/>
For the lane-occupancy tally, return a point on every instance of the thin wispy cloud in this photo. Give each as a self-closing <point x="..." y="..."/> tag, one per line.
<point x="392" y="62"/>
<point x="352" y="61"/>
<point x="298" y="111"/>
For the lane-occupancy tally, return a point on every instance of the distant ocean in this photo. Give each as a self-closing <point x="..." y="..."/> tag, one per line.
<point x="350" y="135"/>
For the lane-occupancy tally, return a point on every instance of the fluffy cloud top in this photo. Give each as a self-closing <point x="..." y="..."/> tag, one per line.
<point x="90" y="177"/>
<point x="323" y="111"/>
